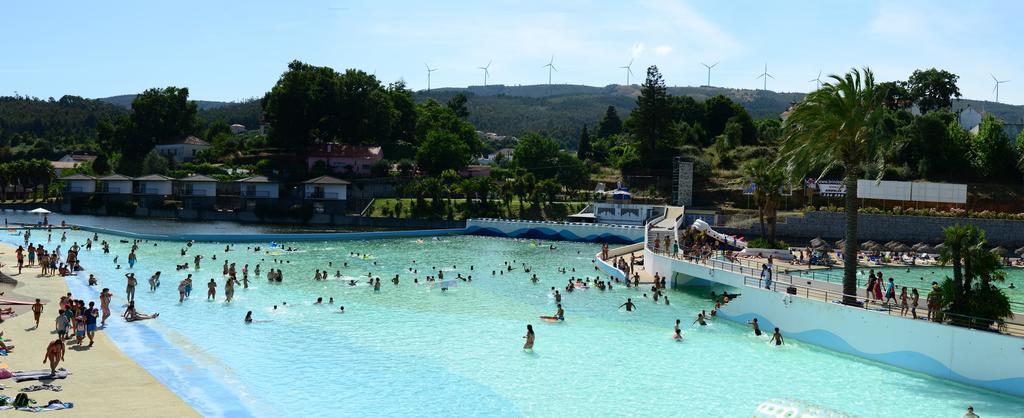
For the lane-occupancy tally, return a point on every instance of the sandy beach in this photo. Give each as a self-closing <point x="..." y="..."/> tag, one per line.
<point x="103" y="382"/>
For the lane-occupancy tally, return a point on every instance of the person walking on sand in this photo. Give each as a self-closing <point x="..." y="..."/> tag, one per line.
<point x="529" y="338"/>
<point x="37" y="311"/>
<point x="54" y="354"/>
<point x="90" y="322"/>
<point x="914" y="299"/>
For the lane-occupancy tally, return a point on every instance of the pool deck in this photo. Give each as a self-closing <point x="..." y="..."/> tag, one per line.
<point x="103" y="382"/>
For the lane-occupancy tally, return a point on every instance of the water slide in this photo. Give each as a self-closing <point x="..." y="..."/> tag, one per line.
<point x="700" y="225"/>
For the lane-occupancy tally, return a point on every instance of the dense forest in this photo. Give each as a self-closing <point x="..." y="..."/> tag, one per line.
<point x="33" y="127"/>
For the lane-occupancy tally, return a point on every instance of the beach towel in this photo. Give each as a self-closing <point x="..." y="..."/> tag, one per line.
<point x="20" y="376"/>
<point x="55" y="405"/>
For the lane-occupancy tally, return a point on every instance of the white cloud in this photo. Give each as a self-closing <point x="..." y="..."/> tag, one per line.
<point x="663" y="50"/>
<point x="636" y="49"/>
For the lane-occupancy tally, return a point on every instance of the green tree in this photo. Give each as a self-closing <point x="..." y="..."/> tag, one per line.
<point x="158" y="115"/>
<point x="839" y="125"/>
<point x="994" y="155"/>
<point x="610" y="124"/>
<point x="457" y="104"/>
<point x="651" y="120"/>
<point x="154" y="163"/>
<point x="442" y="151"/>
<point x="933" y="89"/>
<point x="432" y="116"/>
<point x="896" y="94"/>
<point x="970" y="292"/>
<point x="768" y="179"/>
<point x="583" y="148"/>
<point x="537" y="154"/>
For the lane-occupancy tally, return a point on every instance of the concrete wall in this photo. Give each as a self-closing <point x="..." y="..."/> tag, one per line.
<point x="338" y="236"/>
<point x="985" y="359"/>
<point x="566" y="231"/>
<point x="158" y="188"/>
<point x="831" y="226"/>
<point x="117" y="186"/>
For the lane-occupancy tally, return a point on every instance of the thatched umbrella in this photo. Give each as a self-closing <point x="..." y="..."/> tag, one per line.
<point x="891" y="245"/>
<point x="917" y="247"/>
<point x="841" y="243"/>
<point x="926" y="249"/>
<point x="819" y="244"/>
<point x="1019" y="251"/>
<point x="938" y="248"/>
<point x="872" y="246"/>
<point x="902" y="248"/>
<point x="1000" y="251"/>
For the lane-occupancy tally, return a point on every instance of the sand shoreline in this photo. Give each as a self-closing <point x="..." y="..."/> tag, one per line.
<point x="104" y="381"/>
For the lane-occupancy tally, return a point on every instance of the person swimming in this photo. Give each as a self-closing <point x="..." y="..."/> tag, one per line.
<point x="248" y="317"/>
<point x="700" y="319"/>
<point x="561" y="313"/>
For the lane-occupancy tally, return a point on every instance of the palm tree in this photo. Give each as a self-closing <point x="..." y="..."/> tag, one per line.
<point x="973" y="264"/>
<point x="839" y="126"/>
<point x="768" y="179"/>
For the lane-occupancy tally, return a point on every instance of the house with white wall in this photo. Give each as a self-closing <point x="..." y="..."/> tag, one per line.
<point x="258" y="187"/>
<point x="182" y="150"/>
<point x="153" y="185"/>
<point x="115" y="184"/>
<point x="327" y="194"/>
<point x="78" y="184"/>
<point x="196" y="185"/>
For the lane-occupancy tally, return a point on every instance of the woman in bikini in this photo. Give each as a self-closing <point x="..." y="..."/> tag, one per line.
<point x="529" y="338"/>
<point x="54" y="354"/>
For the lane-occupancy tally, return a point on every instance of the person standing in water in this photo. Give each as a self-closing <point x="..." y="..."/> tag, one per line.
<point x="777" y="337"/>
<point x="629" y="305"/>
<point x="678" y="335"/>
<point x="211" y="290"/>
<point x="756" y="327"/>
<point x="529" y="338"/>
<point x="130" y="289"/>
<point x="105" y="305"/>
<point x="248" y="317"/>
<point x="229" y="289"/>
<point x="154" y="281"/>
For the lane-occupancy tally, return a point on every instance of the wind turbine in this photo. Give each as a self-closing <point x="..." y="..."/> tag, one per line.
<point x="998" y="82"/>
<point x="765" y="76"/>
<point x="709" y="67"/>
<point x="550" y="66"/>
<point x="816" y="80"/>
<point x="486" y="72"/>
<point x="429" y="70"/>
<point x="629" y="71"/>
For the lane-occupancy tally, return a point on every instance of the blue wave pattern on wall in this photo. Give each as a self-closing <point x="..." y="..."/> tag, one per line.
<point x="910" y="360"/>
<point x="550" y="234"/>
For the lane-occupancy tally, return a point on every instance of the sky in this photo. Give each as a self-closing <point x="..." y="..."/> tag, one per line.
<point x="234" y="49"/>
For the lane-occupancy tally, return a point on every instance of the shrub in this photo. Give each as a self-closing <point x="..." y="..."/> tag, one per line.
<point x="764" y="243"/>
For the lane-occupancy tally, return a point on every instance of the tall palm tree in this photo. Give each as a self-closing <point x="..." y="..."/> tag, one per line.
<point x="768" y="179"/>
<point x="839" y="126"/>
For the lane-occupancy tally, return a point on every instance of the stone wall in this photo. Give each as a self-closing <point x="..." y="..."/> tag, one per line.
<point x="882" y="228"/>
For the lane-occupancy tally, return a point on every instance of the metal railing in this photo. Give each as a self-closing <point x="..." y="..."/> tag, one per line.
<point x="1003" y="326"/>
<point x="322" y="195"/>
<point x="255" y="193"/>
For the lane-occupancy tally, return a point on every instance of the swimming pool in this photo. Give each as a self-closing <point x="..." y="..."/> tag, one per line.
<point x="412" y="350"/>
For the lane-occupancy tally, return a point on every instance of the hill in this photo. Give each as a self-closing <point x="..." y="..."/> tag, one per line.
<point x="32" y="127"/>
<point x="125" y="101"/>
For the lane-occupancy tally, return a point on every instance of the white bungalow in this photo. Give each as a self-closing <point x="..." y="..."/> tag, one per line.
<point x="325" y="188"/>
<point x="197" y="185"/>
<point x="258" y="187"/>
<point x="115" y="184"/>
<point x="153" y="185"/>
<point x="185" y="149"/>
<point x="79" y="183"/>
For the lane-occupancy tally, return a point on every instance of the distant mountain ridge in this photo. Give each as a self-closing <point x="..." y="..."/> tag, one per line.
<point x="561" y="110"/>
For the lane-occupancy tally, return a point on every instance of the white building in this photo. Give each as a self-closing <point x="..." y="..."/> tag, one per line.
<point x="258" y="187"/>
<point x="325" y="188"/>
<point x="183" y="150"/>
<point x="237" y="128"/>
<point x="79" y="183"/>
<point x="197" y="185"/>
<point x="115" y="184"/>
<point x="153" y="185"/>
<point x="970" y="118"/>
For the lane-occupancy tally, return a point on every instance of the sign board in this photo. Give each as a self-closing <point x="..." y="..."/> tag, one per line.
<point x="684" y="183"/>
<point x="912" y="191"/>
<point x="829" y="188"/>
<point x="883" y="190"/>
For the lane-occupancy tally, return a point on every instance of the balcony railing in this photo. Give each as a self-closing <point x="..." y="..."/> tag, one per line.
<point x="255" y="193"/>
<point x="322" y="195"/>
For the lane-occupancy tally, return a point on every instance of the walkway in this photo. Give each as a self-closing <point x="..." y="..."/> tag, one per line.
<point x="809" y="288"/>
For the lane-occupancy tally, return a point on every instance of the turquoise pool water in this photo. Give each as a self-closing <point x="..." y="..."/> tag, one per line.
<point x="412" y="350"/>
